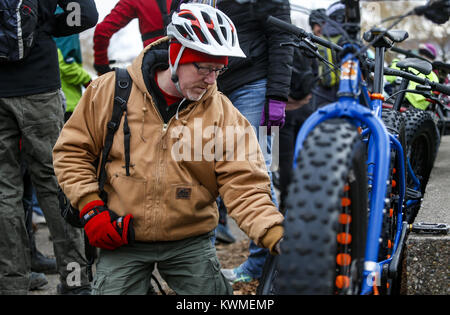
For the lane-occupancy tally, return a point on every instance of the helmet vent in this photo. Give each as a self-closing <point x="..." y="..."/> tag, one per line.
<point x="188" y="15"/>
<point x="184" y="31"/>
<point x="219" y="19"/>
<point x="206" y="18"/>
<point x="199" y="34"/>
<point x="216" y="37"/>
<point x="224" y="32"/>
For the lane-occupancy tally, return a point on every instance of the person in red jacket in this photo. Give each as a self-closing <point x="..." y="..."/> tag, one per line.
<point x="153" y="18"/>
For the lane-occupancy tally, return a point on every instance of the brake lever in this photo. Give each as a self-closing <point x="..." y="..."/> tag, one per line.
<point x="308" y="47"/>
<point x="292" y="43"/>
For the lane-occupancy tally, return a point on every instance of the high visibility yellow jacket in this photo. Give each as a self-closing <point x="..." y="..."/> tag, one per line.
<point x="416" y="100"/>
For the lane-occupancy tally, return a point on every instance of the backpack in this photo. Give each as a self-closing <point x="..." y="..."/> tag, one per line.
<point x="329" y="76"/>
<point x="18" y="28"/>
<point x="71" y="214"/>
<point x="121" y="93"/>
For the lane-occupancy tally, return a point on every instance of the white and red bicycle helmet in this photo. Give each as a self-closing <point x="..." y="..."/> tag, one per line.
<point x="206" y="29"/>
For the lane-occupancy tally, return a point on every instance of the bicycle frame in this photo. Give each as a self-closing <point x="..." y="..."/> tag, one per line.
<point x="380" y="143"/>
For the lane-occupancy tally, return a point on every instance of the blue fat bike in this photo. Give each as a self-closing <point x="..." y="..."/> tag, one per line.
<point x="345" y="220"/>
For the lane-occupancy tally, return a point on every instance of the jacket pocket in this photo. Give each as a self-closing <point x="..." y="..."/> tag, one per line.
<point x="221" y="285"/>
<point x="194" y="196"/>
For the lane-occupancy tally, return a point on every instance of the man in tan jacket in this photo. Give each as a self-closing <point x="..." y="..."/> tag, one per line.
<point x="188" y="144"/>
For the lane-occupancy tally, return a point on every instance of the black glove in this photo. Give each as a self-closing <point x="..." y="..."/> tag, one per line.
<point x="102" y="69"/>
<point x="436" y="11"/>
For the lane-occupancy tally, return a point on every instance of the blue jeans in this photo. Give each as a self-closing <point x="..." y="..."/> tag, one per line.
<point x="250" y="100"/>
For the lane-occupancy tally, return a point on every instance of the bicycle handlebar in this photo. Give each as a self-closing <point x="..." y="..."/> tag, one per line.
<point x="434" y="85"/>
<point x="439" y="87"/>
<point x="299" y="32"/>
<point x="407" y="53"/>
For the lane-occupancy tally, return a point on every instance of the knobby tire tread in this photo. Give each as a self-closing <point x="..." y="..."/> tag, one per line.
<point x="307" y="264"/>
<point x="421" y="130"/>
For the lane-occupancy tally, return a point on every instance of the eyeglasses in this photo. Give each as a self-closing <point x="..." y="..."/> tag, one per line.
<point x="207" y="70"/>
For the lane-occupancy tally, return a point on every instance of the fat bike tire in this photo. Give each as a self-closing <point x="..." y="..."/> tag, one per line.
<point x="326" y="219"/>
<point x="395" y="124"/>
<point x="422" y="140"/>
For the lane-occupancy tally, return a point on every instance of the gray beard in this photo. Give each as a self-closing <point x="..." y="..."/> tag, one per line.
<point x="194" y="99"/>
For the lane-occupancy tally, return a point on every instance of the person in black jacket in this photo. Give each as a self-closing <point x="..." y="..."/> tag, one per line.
<point x="31" y="108"/>
<point x="326" y="89"/>
<point x="258" y="86"/>
<point x="299" y="108"/>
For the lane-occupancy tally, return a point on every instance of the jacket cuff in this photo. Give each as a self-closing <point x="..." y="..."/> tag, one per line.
<point x="272" y="236"/>
<point x="277" y="98"/>
<point x="87" y="199"/>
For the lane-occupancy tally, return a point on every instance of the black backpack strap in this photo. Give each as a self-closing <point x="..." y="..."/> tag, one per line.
<point x="166" y="20"/>
<point x="121" y="94"/>
<point x="163" y="9"/>
<point x="153" y="34"/>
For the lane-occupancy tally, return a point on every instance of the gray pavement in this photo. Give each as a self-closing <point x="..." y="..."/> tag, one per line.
<point x="427" y="257"/>
<point x="436" y="203"/>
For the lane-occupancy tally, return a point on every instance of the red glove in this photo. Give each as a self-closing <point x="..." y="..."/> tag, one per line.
<point x="87" y="84"/>
<point x="104" y="228"/>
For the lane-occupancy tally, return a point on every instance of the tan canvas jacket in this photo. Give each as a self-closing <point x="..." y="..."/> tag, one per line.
<point x="177" y="169"/>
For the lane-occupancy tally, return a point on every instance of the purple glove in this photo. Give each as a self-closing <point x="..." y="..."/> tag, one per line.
<point x="275" y="114"/>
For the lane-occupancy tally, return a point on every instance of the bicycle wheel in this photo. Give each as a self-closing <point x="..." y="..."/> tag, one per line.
<point x="326" y="222"/>
<point x="422" y="140"/>
<point x="395" y="124"/>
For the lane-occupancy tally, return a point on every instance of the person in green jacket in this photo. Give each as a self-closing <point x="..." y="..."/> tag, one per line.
<point x="73" y="76"/>
<point x="417" y="100"/>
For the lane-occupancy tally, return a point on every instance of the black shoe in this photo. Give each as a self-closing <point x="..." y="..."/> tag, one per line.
<point x="42" y="263"/>
<point x="61" y="290"/>
<point x="37" y="281"/>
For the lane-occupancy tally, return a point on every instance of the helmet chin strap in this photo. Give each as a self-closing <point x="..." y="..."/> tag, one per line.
<point x="174" y="77"/>
<point x="173" y="69"/>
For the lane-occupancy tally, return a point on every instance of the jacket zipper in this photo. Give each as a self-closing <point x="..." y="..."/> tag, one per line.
<point x="158" y="189"/>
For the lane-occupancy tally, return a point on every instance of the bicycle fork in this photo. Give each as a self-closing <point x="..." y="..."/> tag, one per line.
<point x="379" y="153"/>
<point x="399" y="238"/>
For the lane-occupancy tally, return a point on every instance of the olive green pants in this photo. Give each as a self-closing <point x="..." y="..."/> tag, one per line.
<point x="37" y="121"/>
<point x="189" y="266"/>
